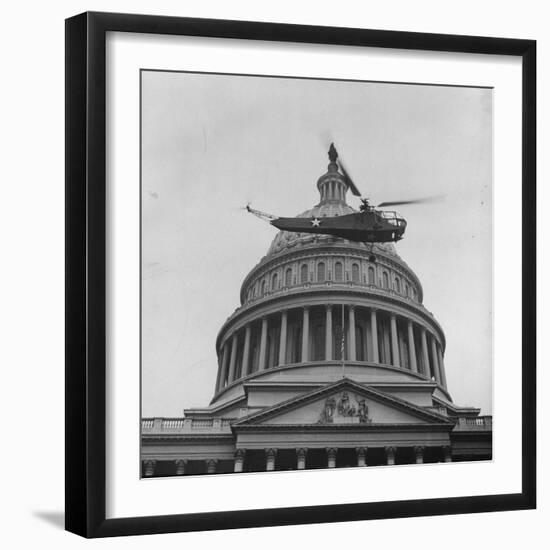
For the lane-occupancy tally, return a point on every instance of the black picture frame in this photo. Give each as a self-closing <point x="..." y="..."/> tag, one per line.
<point x="86" y="273"/>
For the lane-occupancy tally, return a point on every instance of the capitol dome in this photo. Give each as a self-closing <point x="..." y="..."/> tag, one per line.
<point x="315" y="301"/>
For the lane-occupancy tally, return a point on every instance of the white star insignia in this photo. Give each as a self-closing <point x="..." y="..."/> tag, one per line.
<point x="315" y="222"/>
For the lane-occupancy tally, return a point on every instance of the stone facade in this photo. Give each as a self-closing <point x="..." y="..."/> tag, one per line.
<point x="331" y="360"/>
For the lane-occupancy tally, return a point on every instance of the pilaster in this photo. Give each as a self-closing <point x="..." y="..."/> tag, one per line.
<point x="301" y="454"/>
<point x="390" y="455"/>
<point x="270" y="456"/>
<point x="361" y="456"/>
<point x="331" y="457"/>
<point x="419" y="454"/>
<point x="239" y="460"/>
<point x="181" y="465"/>
<point x="150" y="466"/>
<point x="211" y="465"/>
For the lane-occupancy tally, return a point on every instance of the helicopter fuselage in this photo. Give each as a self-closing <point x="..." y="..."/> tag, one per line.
<point x="371" y="226"/>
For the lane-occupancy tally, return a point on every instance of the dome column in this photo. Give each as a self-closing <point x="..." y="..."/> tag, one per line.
<point x="233" y="360"/>
<point x="263" y="345"/>
<point x="425" y="358"/>
<point x="412" y="348"/>
<point x="225" y="359"/>
<point x="351" y="329"/>
<point x="394" y="341"/>
<point x="374" y="332"/>
<point x="442" y="367"/>
<point x="305" y="336"/>
<point x="282" y="340"/>
<point x="246" y="351"/>
<point x="328" y="333"/>
<point x="219" y="374"/>
<point x="435" y="360"/>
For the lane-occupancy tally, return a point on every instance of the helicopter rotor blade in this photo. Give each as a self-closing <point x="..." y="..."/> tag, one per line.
<point x="424" y="200"/>
<point x="352" y="186"/>
<point x="347" y="177"/>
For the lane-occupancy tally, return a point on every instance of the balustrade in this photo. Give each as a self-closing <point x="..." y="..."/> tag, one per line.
<point x="172" y="424"/>
<point x="480" y="423"/>
<point x="202" y="423"/>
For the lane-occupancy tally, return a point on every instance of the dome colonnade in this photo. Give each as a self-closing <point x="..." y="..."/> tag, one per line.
<point x="311" y="331"/>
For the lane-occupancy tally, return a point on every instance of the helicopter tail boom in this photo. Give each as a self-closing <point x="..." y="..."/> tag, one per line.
<point x="262" y="215"/>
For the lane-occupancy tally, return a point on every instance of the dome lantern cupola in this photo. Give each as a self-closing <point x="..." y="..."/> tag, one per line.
<point x="332" y="185"/>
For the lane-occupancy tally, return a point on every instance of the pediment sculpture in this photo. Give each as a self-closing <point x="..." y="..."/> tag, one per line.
<point x="344" y="410"/>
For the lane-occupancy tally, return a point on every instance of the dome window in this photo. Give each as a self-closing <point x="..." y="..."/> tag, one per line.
<point x="338" y="271"/>
<point x="321" y="272"/>
<point x="288" y="277"/>
<point x="274" y="281"/>
<point x="303" y="274"/>
<point x="355" y="273"/>
<point x="371" y="276"/>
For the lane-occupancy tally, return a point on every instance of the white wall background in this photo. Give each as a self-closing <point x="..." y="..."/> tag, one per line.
<point x="31" y="300"/>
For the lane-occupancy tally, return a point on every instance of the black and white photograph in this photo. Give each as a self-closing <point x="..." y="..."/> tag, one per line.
<point x="316" y="273"/>
<point x="274" y="274"/>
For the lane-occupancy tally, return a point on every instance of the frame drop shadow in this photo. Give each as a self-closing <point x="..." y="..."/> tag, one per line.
<point x="54" y="518"/>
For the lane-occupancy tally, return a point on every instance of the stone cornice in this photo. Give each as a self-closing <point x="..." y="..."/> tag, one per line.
<point x="422" y="380"/>
<point x="347" y="428"/>
<point x="472" y="434"/>
<point x="460" y="411"/>
<point x="269" y="385"/>
<point x="215" y="409"/>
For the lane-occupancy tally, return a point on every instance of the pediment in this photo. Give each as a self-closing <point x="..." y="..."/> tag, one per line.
<point x="344" y="403"/>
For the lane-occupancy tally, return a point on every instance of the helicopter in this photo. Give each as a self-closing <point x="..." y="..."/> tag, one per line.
<point x="369" y="225"/>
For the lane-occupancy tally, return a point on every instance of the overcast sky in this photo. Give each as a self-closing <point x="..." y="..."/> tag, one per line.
<point x="211" y="143"/>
